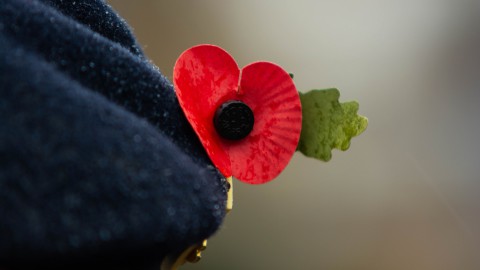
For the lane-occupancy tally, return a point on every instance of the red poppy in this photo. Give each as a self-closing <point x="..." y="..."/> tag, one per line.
<point x="207" y="80"/>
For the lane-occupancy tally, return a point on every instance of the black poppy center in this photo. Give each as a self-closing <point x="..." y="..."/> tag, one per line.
<point x="233" y="120"/>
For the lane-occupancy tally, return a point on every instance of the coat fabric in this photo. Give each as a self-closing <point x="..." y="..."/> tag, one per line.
<point x="99" y="166"/>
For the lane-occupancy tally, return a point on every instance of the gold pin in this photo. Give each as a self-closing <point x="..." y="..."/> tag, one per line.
<point x="229" y="205"/>
<point x="193" y="254"/>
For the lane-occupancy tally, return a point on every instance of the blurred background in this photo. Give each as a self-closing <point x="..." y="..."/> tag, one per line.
<point x="406" y="194"/>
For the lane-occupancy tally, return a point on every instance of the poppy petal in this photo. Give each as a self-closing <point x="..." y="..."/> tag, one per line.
<point x="271" y="94"/>
<point x="204" y="77"/>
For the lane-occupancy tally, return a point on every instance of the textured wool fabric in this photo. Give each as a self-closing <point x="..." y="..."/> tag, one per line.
<point x="98" y="164"/>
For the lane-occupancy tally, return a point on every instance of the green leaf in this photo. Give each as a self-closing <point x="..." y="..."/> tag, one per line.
<point x="327" y="123"/>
